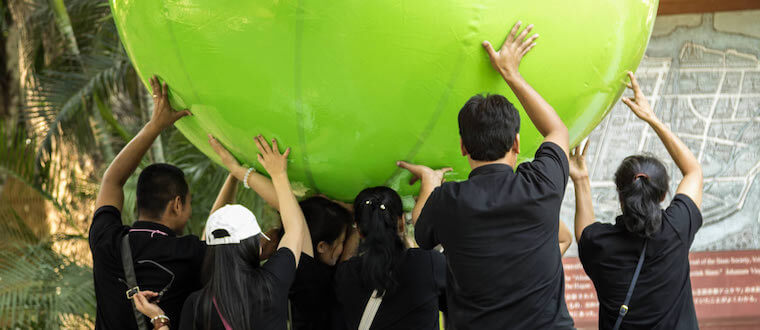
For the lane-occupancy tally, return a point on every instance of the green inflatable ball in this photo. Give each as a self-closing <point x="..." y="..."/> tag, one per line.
<point x="353" y="86"/>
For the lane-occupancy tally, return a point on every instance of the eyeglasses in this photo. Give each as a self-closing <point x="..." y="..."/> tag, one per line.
<point x="133" y="291"/>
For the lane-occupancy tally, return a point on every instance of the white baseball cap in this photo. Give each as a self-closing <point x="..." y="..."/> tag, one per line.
<point x="236" y="220"/>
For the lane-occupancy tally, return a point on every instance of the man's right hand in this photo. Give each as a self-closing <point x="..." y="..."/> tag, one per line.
<point x="507" y="60"/>
<point x="163" y="114"/>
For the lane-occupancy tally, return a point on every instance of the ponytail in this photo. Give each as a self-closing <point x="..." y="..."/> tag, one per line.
<point x="378" y="210"/>
<point x="642" y="182"/>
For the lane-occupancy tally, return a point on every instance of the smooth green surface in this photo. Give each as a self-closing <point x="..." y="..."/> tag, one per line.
<point x="353" y="86"/>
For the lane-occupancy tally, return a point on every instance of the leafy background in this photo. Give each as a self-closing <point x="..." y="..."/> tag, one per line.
<point x="70" y="99"/>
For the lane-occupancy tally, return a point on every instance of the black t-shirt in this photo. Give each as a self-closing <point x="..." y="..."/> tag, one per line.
<point x="662" y="297"/>
<point x="312" y="296"/>
<point x="148" y="241"/>
<point x="282" y="266"/>
<point x="499" y="230"/>
<point x="414" y="305"/>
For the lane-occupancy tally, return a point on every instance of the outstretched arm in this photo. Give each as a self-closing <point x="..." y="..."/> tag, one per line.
<point x="506" y="61"/>
<point x="584" y="209"/>
<point x="226" y="194"/>
<point x="691" y="184"/>
<point x="125" y="163"/>
<point x="430" y="180"/>
<point x="292" y="217"/>
<point x="262" y="185"/>
<point x="259" y="183"/>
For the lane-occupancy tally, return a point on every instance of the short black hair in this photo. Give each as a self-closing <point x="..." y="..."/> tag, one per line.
<point x="488" y="126"/>
<point x="157" y="185"/>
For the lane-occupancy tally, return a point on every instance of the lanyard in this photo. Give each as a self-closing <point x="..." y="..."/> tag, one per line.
<point x="151" y="231"/>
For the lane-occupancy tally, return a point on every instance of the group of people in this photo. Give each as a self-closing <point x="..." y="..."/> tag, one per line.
<point x="338" y="266"/>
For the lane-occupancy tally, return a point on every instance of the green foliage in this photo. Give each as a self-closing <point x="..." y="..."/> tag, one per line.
<point x="43" y="289"/>
<point x="82" y="102"/>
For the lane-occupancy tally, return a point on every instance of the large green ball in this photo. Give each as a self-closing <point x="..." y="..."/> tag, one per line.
<point x="352" y="86"/>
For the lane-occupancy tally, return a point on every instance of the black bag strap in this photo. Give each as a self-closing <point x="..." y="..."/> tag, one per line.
<point x="624" y="306"/>
<point x="131" y="278"/>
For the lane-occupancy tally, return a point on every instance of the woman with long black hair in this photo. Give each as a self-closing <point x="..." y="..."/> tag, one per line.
<point x="240" y="293"/>
<point x="640" y="264"/>
<point x="328" y="239"/>
<point x="389" y="286"/>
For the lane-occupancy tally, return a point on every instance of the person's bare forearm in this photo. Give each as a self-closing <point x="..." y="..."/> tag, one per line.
<point x="584" y="208"/>
<point x="124" y="165"/>
<point x="541" y="113"/>
<point x="259" y="183"/>
<point x="226" y="194"/>
<point x="682" y="156"/>
<point x="692" y="183"/>
<point x="426" y="188"/>
<point x="293" y="221"/>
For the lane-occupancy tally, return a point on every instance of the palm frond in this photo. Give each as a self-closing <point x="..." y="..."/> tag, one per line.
<point x="39" y="288"/>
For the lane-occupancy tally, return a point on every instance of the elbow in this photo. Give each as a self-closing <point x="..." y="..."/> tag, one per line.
<point x="110" y="181"/>
<point x="697" y="172"/>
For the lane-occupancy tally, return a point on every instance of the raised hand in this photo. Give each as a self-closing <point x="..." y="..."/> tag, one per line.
<point x="227" y="158"/>
<point x="578" y="169"/>
<point x="270" y="157"/>
<point x="638" y="103"/>
<point x="163" y="114"/>
<point x="426" y="174"/>
<point x="507" y="60"/>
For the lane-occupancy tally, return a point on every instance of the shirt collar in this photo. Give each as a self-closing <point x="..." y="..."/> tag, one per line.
<point x="490" y="168"/>
<point x="150" y="225"/>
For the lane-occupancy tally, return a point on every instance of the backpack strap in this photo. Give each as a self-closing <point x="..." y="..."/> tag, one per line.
<point x="131" y="279"/>
<point x="370" y="310"/>
<point x="624" y="306"/>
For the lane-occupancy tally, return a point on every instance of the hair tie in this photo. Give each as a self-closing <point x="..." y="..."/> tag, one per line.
<point x="382" y="206"/>
<point x="640" y="175"/>
<point x="368" y="202"/>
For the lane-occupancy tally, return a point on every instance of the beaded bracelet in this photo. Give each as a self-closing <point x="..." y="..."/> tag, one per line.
<point x="245" y="178"/>
<point x="160" y="321"/>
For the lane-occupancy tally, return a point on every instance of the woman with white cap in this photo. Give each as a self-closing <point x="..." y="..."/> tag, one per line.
<point x="241" y="293"/>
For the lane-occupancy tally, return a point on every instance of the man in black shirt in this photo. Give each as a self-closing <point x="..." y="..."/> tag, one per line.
<point x="499" y="229"/>
<point x="161" y="259"/>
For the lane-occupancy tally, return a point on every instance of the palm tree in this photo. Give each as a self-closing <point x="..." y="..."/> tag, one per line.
<point x="80" y="102"/>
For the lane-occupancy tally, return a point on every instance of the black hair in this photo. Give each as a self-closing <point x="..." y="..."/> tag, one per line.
<point x="326" y="219"/>
<point x="234" y="278"/>
<point x="377" y="212"/>
<point x="642" y="182"/>
<point x="158" y="185"/>
<point x="488" y="126"/>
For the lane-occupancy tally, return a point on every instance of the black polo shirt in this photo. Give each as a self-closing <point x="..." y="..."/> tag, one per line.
<point x="312" y="296"/>
<point x="414" y="305"/>
<point x="499" y="234"/>
<point x="662" y="298"/>
<point x="152" y="241"/>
